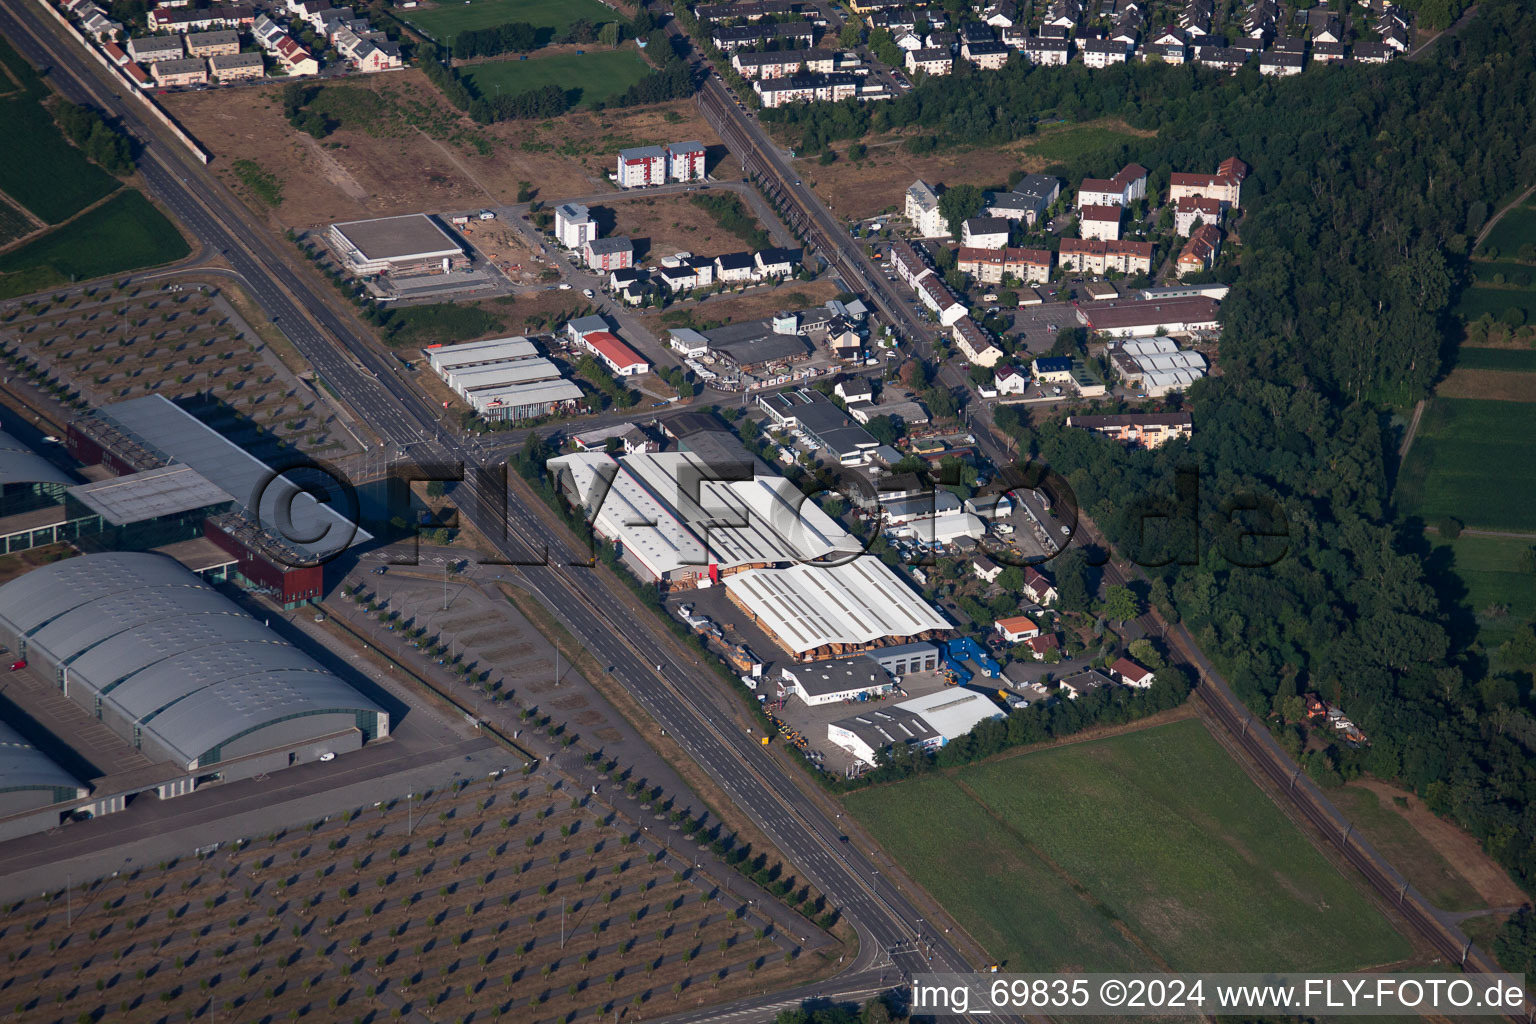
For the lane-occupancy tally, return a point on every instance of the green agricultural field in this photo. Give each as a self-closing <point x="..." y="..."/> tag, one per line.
<point x="13" y="223"/>
<point x="1494" y="300"/>
<point x="43" y="172"/>
<point x="447" y="18"/>
<point x="124" y="233"/>
<point x="1070" y="143"/>
<point x="1513" y="272"/>
<point x="1152" y="844"/>
<point x="595" y="76"/>
<point x="1474" y="460"/>
<point x="1514" y="229"/>
<point x="1500" y="592"/>
<point x="1511" y="360"/>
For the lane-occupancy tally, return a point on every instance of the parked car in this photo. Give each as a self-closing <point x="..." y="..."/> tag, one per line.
<point x="18" y="664"/>
<point x="327" y="756"/>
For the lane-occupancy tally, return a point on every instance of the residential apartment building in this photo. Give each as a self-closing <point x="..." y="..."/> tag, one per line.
<point x="643" y="165"/>
<point x="974" y="344"/>
<point x="984" y="232"/>
<point x="776" y="92"/>
<point x="922" y="211"/>
<point x="1200" y="251"/>
<point x="1098" y="256"/>
<point x="233" y="67"/>
<point x="1190" y="210"/>
<point x="607" y="254"/>
<point x="1225" y="186"/>
<point x="212" y="44"/>
<point x="930" y="61"/>
<point x="751" y="64"/>
<point x="686" y="161"/>
<point x="153" y="49"/>
<point x="1144" y="430"/>
<point x="991" y="266"/>
<point x="1101" y="222"/>
<point x="182" y="72"/>
<point x="1121" y="190"/>
<point x="1047" y="52"/>
<point x="573" y="225"/>
<point x="1101" y="53"/>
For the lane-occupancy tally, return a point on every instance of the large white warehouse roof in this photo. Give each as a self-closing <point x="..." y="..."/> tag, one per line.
<point x="811" y="606"/>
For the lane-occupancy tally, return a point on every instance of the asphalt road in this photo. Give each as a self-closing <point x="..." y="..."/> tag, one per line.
<point x="683" y="698"/>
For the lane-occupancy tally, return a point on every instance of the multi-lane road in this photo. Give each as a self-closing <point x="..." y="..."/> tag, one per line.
<point x="684" y="698"/>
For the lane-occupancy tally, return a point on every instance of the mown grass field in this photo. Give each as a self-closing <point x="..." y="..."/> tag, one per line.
<point x="124" y="233"/>
<point x="597" y="75"/>
<point x="1474" y="460"/>
<point x="1500" y="592"/>
<point x="1152" y="845"/>
<point x="446" y="19"/>
<point x="1507" y="360"/>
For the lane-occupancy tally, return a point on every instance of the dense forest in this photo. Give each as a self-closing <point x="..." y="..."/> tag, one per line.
<point x="1366" y="185"/>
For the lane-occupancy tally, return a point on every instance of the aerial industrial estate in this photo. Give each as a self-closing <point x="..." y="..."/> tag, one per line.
<point x="528" y="510"/>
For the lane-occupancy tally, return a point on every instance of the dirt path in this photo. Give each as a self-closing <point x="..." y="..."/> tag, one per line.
<point x="469" y="175"/>
<point x="1413" y="430"/>
<point x="1522" y="197"/>
<point x="1473" y="531"/>
<point x="1459" y="849"/>
<point x="1457" y="27"/>
<point x="335" y="173"/>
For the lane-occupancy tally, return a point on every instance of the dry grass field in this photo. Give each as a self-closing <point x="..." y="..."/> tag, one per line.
<point x="511" y="899"/>
<point x="668" y="224"/>
<point x="399" y="148"/>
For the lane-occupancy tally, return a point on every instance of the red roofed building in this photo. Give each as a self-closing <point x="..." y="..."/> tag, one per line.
<point x="989" y="266"/>
<point x="1124" y="188"/>
<point x="139" y="75"/>
<point x="1131" y="674"/>
<point x="115" y="54"/>
<point x="1099" y="256"/>
<point x="621" y="360"/>
<point x="1191" y="209"/>
<point x="1016" y="628"/>
<point x="1226" y="185"/>
<point x="1039" y="645"/>
<point x="1200" y="251"/>
<point x="1102" y="222"/>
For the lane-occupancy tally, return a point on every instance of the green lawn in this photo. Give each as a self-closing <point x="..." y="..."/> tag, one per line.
<point x="1491" y="569"/>
<point x="1514" y="229"/>
<point x="1069" y="143"/>
<point x="1514" y="360"/>
<point x="597" y="75"/>
<point x="1047" y="856"/>
<point x="1475" y="460"/>
<point x="446" y="19"/>
<point x="124" y="233"/>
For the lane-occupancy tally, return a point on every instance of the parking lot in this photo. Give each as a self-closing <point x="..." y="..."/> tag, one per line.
<point x="811" y="722"/>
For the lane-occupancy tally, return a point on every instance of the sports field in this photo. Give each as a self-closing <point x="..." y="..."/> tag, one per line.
<point x="1143" y="849"/>
<point x="124" y="233"/>
<point x="594" y="76"/>
<point x="1474" y="460"/>
<point x="445" y="19"/>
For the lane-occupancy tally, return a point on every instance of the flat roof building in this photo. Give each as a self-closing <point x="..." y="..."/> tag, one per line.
<point x="838" y="679"/>
<point x="408" y="244"/>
